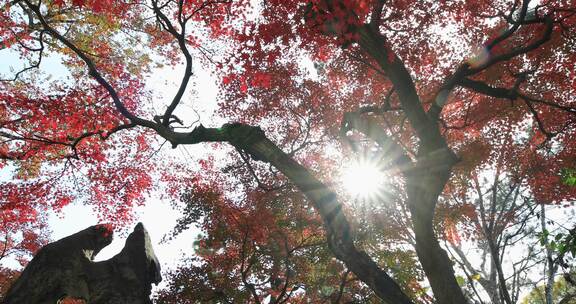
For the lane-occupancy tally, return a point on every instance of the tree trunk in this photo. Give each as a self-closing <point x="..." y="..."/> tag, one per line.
<point x="424" y="185"/>
<point x="432" y="169"/>
<point x="64" y="269"/>
<point x="549" y="265"/>
<point x="338" y="231"/>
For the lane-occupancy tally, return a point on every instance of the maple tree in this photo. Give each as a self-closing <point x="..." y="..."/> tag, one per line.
<point x="428" y="87"/>
<point x="268" y="247"/>
<point x="248" y="248"/>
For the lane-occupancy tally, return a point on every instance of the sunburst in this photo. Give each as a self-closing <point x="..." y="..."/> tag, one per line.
<point x="363" y="179"/>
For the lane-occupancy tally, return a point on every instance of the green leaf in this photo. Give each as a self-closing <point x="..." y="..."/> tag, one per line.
<point x="568" y="176"/>
<point x="461" y="281"/>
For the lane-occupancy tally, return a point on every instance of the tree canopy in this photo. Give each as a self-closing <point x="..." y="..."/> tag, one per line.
<point x="467" y="107"/>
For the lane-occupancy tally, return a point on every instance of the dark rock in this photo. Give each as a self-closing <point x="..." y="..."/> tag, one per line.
<point x="65" y="268"/>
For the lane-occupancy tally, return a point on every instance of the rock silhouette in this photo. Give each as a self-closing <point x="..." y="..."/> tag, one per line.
<point x="65" y="269"/>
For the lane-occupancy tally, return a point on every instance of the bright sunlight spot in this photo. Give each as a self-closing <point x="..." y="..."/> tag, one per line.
<point x="363" y="179"/>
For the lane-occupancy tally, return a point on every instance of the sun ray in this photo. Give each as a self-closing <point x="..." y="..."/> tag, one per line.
<point x="363" y="179"/>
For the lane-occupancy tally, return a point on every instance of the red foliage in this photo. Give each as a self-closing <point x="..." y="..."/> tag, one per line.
<point x="7" y="277"/>
<point x="72" y="301"/>
<point x="294" y="68"/>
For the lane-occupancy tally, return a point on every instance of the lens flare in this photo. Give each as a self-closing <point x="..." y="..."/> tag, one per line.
<point x="363" y="179"/>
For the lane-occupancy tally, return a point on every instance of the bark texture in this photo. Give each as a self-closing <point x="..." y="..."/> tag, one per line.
<point x="65" y="268"/>
<point x="338" y="230"/>
<point x="426" y="179"/>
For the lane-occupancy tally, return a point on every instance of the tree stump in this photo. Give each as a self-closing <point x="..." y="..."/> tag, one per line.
<point x="65" y="269"/>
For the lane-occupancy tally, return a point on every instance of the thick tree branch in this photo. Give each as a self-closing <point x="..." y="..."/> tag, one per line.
<point x="515" y="24"/>
<point x="181" y="38"/>
<point x="483" y="88"/>
<point x="376" y="46"/>
<point x="376" y="16"/>
<point x="442" y="95"/>
<point x="514" y="94"/>
<point x="465" y="70"/>
<point x="432" y="168"/>
<point x="545" y="37"/>
<point x="394" y="152"/>
<point x="338" y="230"/>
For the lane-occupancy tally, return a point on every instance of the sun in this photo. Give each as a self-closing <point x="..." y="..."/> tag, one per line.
<point x="363" y="179"/>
